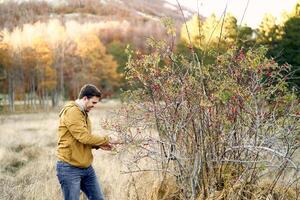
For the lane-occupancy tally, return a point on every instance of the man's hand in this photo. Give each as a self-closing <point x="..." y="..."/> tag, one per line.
<point x="113" y="141"/>
<point x="110" y="146"/>
<point x="106" y="147"/>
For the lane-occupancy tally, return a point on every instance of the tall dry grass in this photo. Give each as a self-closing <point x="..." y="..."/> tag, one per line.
<point x="27" y="159"/>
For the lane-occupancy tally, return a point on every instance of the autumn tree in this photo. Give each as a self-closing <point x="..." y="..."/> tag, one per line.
<point x="46" y="74"/>
<point x="269" y="34"/>
<point x="213" y="33"/>
<point x="211" y="36"/>
<point x="97" y="66"/>
<point x="118" y="50"/>
<point x="12" y="67"/>
<point x="57" y="39"/>
<point x="5" y="62"/>
<point x="29" y="63"/>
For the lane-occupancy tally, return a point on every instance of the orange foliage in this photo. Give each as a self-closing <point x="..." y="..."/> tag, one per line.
<point x="99" y="66"/>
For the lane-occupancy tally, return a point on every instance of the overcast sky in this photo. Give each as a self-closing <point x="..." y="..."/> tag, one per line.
<point x="254" y="14"/>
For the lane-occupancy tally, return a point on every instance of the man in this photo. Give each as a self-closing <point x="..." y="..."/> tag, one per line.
<point x="75" y="143"/>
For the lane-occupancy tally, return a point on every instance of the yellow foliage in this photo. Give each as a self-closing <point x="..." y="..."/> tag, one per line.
<point x="268" y="30"/>
<point x="28" y="58"/>
<point x="193" y="31"/>
<point x="49" y="48"/>
<point x="5" y="54"/>
<point x="43" y="52"/>
<point x="208" y="33"/>
<point x="44" y="59"/>
<point x="98" y="64"/>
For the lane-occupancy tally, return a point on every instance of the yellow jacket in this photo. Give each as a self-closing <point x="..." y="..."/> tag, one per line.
<point x="75" y="141"/>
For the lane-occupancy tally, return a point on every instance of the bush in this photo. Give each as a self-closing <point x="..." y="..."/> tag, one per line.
<point x="220" y="128"/>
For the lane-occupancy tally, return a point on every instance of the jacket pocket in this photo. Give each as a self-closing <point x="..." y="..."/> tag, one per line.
<point x="64" y="153"/>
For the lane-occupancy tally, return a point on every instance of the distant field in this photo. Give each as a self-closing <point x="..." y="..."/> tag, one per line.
<point x="27" y="157"/>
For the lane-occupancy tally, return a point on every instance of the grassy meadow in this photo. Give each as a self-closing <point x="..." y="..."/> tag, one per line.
<point x="27" y="158"/>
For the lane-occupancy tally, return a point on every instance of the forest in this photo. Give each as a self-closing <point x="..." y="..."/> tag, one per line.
<point x="48" y="51"/>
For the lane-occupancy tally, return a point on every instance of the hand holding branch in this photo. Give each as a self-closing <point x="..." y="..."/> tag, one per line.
<point x="110" y="146"/>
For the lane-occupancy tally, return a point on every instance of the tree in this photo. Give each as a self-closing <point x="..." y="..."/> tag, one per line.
<point x="4" y="58"/>
<point x="210" y="33"/>
<point x="11" y="65"/>
<point x="97" y="66"/>
<point x="57" y="39"/>
<point x="289" y="45"/>
<point x="269" y="34"/>
<point x="5" y="62"/>
<point x="245" y="37"/>
<point x="192" y="32"/>
<point x="286" y="47"/>
<point x="29" y="63"/>
<point x="118" y="51"/>
<point x="46" y="74"/>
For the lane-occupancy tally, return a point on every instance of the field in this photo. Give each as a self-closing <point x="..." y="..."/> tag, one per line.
<point x="27" y="157"/>
<point x="27" y="161"/>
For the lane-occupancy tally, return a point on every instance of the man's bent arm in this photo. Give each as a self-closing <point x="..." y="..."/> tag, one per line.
<point x="78" y="128"/>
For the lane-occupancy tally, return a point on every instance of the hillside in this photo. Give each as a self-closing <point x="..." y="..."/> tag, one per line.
<point x="128" y="21"/>
<point x="16" y="13"/>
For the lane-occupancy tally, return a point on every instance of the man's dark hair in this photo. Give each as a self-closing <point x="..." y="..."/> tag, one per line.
<point x="89" y="91"/>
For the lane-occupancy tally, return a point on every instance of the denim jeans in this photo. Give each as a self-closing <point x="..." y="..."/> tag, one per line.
<point x="73" y="179"/>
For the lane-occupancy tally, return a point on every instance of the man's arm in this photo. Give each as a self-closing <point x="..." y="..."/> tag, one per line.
<point x="76" y="124"/>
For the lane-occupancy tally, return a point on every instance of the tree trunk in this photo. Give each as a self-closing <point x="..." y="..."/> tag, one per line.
<point x="61" y="74"/>
<point x="54" y="98"/>
<point x="32" y="93"/>
<point x="11" y="94"/>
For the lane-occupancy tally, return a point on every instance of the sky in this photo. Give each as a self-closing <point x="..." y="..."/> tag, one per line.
<point x="254" y="13"/>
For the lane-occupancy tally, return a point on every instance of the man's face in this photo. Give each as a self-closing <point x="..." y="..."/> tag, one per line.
<point x="90" y="103"/>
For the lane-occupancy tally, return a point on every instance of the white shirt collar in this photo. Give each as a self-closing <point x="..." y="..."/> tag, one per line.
<point x="78" y="102"/>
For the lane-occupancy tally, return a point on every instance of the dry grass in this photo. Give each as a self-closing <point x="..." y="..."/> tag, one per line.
<point x="27" y="164"/>
<point x="27" y="158"/>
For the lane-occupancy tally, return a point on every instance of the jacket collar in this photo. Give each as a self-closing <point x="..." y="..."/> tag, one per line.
<point x="79" y="104"/>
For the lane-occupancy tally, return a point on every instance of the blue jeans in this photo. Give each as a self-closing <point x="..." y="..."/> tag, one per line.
<point x="73" y="179"/>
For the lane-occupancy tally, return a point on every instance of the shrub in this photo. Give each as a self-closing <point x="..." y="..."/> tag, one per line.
<point x="218" y="128"/>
